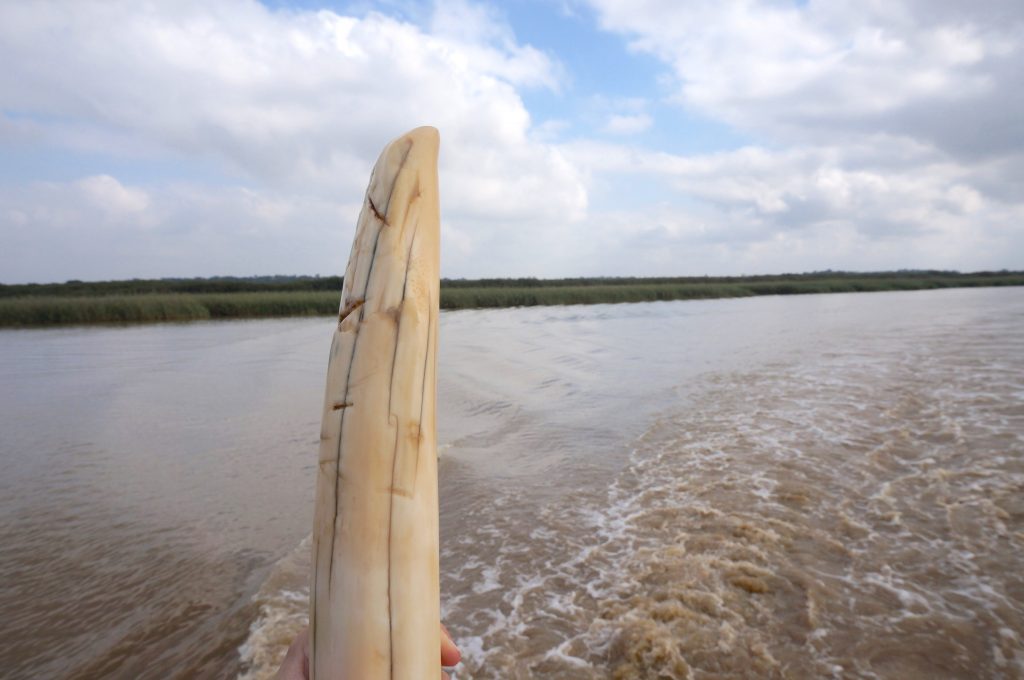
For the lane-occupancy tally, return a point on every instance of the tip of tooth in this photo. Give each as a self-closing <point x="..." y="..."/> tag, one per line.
<point x="424" y="141"/>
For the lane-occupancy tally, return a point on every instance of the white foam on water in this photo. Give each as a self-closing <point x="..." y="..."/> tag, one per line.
<point x="768" y="480"/>
<point x="849" y="514"/>
<point x="283" y="611"/>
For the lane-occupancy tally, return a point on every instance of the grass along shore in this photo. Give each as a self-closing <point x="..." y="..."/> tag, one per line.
<point x="76" y="302"/>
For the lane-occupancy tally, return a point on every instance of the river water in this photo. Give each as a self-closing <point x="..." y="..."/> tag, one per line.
<point x="790" y="487"/>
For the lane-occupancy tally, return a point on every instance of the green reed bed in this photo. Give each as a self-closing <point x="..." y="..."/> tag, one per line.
<point x="463" y="297"/>
<point x="50" y="311"/>
<point x="871" y="284"/>
<point x="31" y="306"/>
<point x="466" y="298"/>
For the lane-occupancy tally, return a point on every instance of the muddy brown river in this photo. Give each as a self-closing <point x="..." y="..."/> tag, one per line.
<point x="826" y="486"/>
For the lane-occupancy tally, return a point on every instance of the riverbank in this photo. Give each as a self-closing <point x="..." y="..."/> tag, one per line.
<point x="144" y="301"/>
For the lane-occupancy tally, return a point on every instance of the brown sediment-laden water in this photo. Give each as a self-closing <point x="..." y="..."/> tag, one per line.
<point x="790" y="487"/>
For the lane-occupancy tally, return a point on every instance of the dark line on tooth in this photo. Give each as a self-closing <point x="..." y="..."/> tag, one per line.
<point x="387" y="208"/>
<point x="398" y="424"/>
<point x="376" y="213"/>
<point x="423" y="388"/>
<point x="348" y="378"/>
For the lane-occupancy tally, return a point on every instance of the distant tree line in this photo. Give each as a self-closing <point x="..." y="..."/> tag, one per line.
<point x="137" y="301"/>
<point x="260" y="284"/>
<point x="218" y="284"/>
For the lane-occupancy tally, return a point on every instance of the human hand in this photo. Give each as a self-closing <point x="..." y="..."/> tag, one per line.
<point x="296" y="661"/>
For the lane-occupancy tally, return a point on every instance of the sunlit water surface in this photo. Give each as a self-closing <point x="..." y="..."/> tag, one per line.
<point x="814" y="486"/>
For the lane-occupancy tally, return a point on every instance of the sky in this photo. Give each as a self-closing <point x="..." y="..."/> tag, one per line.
<point x="184" y="138"/>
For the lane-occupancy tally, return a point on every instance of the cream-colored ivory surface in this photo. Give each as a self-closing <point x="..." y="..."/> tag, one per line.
<point x="375" y="602"/>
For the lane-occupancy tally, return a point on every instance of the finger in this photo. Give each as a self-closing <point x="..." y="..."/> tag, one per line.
<point x="450" y="654"/>
<point x="296" y="661"/>
<point x="445" y="676"/>
<point x="303" y="639"/>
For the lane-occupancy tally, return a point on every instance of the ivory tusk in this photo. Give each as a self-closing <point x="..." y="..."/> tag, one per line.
<point x="375" y="596"/>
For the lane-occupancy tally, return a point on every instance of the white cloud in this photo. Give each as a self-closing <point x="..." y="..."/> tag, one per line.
<point x="887" y="135"/>
<point x="947" y="73"/>
<point x="290" y="104"/>
<point x="478" y="29"/>
<point x="112" y="197"/>
<point x="888" y="130"/>
<point x="285" y="97"/>
<point x="751" y="209"/>
<point x="99" y="228"/>
<point x="624" y="124"/>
